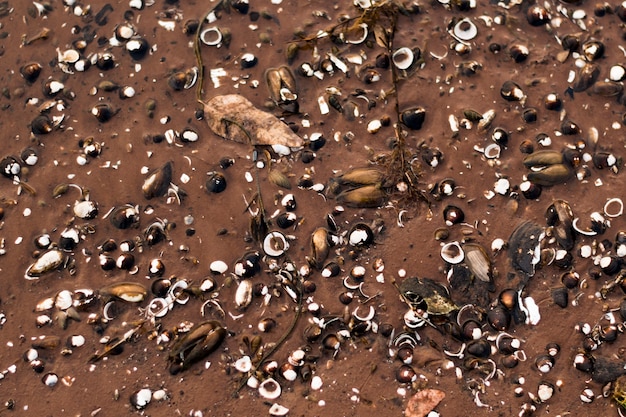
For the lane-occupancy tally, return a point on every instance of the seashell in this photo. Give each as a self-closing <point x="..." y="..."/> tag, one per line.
<point x="553" y="102"/>
<point x="492" y="151"/>
<point x="607" y="88"/>
<point x="10" y="167"/>
<point x="155" y="232"/>
<point x="270" y="389"/>
<point x="537" y="15"/>
<point x="140" y="399"/>
<point x="529" y="115"/>
<point x="543" y="158"/>
<point x="248" y="265"/>
<point x="91" y="147"/>
<point x="551" y="175"/>
<point x="519" y="52"/>
<point x="103" y="112"/>
<point x="235" y="118"/>
<point x="123" y="32"/>
<point x="41" y="125"/>
<point x="403" y="58"/>
<point x="360" y="235"/>
<point x="320" y="247"/>
<point x="530" y="190"/>
<point x="105" y="61"/>
<point x="275" y="244"/>
<point x="592" y="50"/>
<point x="50" y="379"/>
<point x="586" y="77"/>
<point x="124" y="216"/>
<point x="570" y="42"/>
<point x="158" y="182"/>
<point x="478" y="262"/>
<point x="617" y="73"/>
<point x="211" y="36"/>
<point x="216" y="183"/>
<point x="511" y="91"/>
<point x="85" y="209"/>
<point x="52" y="87"/>
<point x="357" y="177"/>
<point x="559" y="215"/>
<point x="330" y="270"/>
<point x="137" y="48"/>
<point x="499" y="318"/>
<point x="452" y="253"/>
<point x="524" y="247"/>
<point x="243" y="295"/>
<point x="46" y="262"/>
<point x="69" y="239"/>
<point x="248" y="60"/>
<point x="427" y="294"/>
<point x="31" y="71"/>
<point x="465" y="30"/>
<point x="189" y="135"/>
<point x="469" y="68"/>
<point x="453" y="215"/>
<point x="405" y="374"/>
<point x="413" y="118"/>
<point x="368" y="196"/>
<point x="131" y="292"/>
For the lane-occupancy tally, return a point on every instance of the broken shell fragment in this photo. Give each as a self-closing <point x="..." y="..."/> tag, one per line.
<point x="270" y="389"/>
<point x="48" y="261"/>
<point x="478" y="261"/>
<point x="235" y="118"/>
<point x="360" y="235"/>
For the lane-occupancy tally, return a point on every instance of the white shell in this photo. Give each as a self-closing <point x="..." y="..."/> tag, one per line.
<point x="218" y="267"/>
<point x="403" y="58"/>
<point x="617" y="73"/>
<point x="492" y="151"/>
<point x="270" y="389"/>
<point x="63" y="300"/>
<point x="275" y="244"/>
<point x="211" y="36"/>
<point x="243" y="364"/>
<point x="243" y="295"/>
<point x="158" y="307"/>
<point x="316" y="383"/>
<point x="465" y="30"/>
<point x="614" y="213"/>
<point x="452" y="253"/>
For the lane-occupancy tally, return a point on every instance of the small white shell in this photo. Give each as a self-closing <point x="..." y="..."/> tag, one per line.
<point x="316" y="383"/>
<point x="158" y="307"/>
<point x="243" y="364"/>
<point x="614" y="207"/>
<point x="492" y="151"/>
<point x="218" y="267"/>
<point x="141" y="398"/>
<point x="270" y="389"/>
<point x="64" y="300"/>
<point x="278" y="410"/>
<point x="243" y="295"/>
<point x="211" y="36"/>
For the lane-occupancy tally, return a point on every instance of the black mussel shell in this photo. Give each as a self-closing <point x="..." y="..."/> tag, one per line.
<point x="570" y="42"/>
<point x="105" y="61"/>
<point x="519" y="52"/>
<point x="226" y="162"/>
<point x="453" y="215"/>
<point x="552" y="101"/>
<point x="31" y="71"/>
<point x="248" y="265"/>
<point x="568" y="127"/>
<point x="500" y="136"/>
<point x="155" y="233"/>
<point x="499" y="318"/>
<point x="360" y="235"/>
<point x="103" y="112"/>
<point x="125" y="261"/>
<point x="216" y="183"/>
<point x="593" y="50"/>
<point x="41" y="125"/>
<point x="160" y="287"/>
<point x="158" y="182"/>
<point x="242" y="6"/>
<point x="69" y="239"/>
<point x="109" y="245"/>
<point x="107" y="263"/>
<point x="413" y="118"/>
<point x="480" y="348"/>
<point x="178" y="81"/>
<point x="511" y="91"/>
<point x="530" y="191"/>
<point x="248" y="60"/>
<point x="537" y="15"/>
<point x="137" y="48"/>
<point x="29" y="156"/>
<point x="10" y="167"/>
<point x="586" y="77"/>
<point x="286" y="220"/>
<point x="124" y="217"/>
<point x="529" y="115"/>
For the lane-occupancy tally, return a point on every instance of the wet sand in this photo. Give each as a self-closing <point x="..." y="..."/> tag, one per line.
<point x="360" y="376"/>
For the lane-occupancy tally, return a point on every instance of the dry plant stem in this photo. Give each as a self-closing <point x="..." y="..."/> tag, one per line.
<point x="198" y="53"/>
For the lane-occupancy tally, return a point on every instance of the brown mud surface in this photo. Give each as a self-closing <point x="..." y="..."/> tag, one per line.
<point x="451" y="80"/>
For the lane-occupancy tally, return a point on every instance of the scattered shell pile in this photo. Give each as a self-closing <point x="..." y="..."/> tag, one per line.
<point x="368" y="205"/>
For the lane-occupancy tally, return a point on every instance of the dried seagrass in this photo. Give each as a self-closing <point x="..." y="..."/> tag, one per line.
<point x="235" y="118"/>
